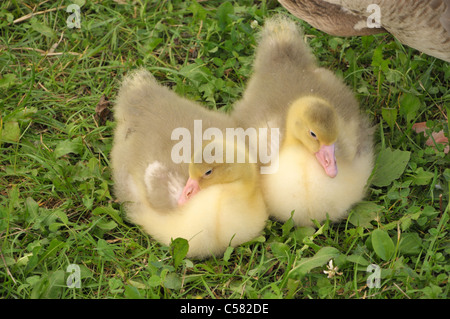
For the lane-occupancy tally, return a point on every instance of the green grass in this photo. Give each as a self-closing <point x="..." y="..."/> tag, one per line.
<point x="56" y="201"/>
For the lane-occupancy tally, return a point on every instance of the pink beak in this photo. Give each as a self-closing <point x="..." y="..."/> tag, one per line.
<point x="326" y="158"/>
<point x="190" y="189"/>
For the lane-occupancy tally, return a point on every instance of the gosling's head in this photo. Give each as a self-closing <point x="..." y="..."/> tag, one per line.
<point x="218" y="166"/>
<point x="312" y="122"/>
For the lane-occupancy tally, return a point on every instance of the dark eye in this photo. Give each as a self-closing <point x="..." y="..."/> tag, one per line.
<point x="313" y="134"/>
<point x="208" y="172"/>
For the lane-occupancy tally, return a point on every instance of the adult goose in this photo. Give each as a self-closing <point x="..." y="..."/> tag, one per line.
<point x="420" y="24"/>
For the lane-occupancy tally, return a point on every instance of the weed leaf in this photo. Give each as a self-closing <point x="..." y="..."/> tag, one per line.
<point x="357" y="259"/>
<point x="280" y="250"/>
<point x="409" y="106"/>
<point x="422" y="177"/>
<point x="227" y="254"/>
<point x="390" y="116"/>
<point x="7" y="80"/>
<point x="69" y="146"/>
<point x="390" y="166"/>
<point x="319" y="259"/>
<point x="223" y="14"/>
<point x="114" y="214"/>
<point x="382" y="244"/>
<point x="288" y="225"/>
<point x="132" y="293"/>
<point x="363" y="213"/>
<point x="10" y="132"/>
<point x="172" y="281"/>
<point x="43" y="29"/>
<point x="54" y="247"/>
<point x="410" y="244"/>
<point x="179" y="249"/>
<point x="49" y="286"/>
<point x="105" y="250"/>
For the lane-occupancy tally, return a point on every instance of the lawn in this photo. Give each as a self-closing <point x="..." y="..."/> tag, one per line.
<point x="60" y="222"/>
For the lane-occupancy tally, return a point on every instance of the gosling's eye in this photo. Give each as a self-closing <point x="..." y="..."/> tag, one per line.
<point x="208" y="172"/>
<point x="313" y="134"/>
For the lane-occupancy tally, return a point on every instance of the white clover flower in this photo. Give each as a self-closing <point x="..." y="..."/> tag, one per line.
<point x="332" y="271"/>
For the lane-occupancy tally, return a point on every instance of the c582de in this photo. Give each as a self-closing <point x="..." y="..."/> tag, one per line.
<point x="246" y="308"/>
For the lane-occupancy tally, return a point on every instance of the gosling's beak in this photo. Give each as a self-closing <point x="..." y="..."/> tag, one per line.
<point x="190" y="189"/>
<point x="327" y="159"/>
